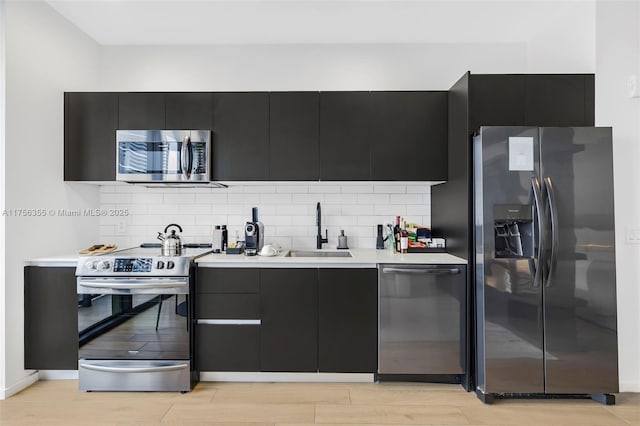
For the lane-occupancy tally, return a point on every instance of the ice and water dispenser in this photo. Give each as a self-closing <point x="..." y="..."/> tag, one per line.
<point x="513" y="230"/>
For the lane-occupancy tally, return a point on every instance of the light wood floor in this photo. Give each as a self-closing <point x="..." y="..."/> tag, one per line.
<point x="61" y="403"/>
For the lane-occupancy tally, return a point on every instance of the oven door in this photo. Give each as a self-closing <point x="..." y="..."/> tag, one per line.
<point x="163" y="155"/>
<point x="133" y="318"/>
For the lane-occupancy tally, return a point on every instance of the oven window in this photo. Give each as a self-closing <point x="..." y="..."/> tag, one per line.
<point x="149" y="157"/>
<point x="124" y="326"/>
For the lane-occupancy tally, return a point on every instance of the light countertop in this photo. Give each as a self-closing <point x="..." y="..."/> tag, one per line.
<point x="362" y="258"/>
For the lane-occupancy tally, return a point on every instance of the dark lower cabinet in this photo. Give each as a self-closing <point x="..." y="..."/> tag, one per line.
<point x="227" y="294"/>
<point x="50" y="318"/>
<point x="310" y="320"/>
<point x="347" y="320"/>
<point x="228" y="347"/>
<point x="289" y="313"/>
<point x="90" y="123"/>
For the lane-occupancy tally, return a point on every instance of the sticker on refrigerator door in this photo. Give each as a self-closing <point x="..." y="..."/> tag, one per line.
<point x="520" y="154"/>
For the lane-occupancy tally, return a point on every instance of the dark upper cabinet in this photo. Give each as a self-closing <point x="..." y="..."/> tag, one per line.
<point x="289" y="330"/>
<point x="50" y="318"/>
<point x="188" y="111"/>
<point x="559" y="100"/>
<point x="345" y="134"/>
<point x="531" y="100"/>
<point x="90" y="123"/>
<point x="240" y="136"/>
<point x="409" y="137"/>
<point x="294" y="136"/>
<point x="497" y="100"/>
<point x="348" y="320"/>
<point x="140" y="111"/>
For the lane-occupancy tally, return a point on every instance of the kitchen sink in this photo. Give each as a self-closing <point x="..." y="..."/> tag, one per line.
<point x="314" y="253"/>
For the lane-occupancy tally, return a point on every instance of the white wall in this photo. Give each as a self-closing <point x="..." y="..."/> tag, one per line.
<point x="2" y="193"/>
<point x="286" y="209"/>
<point x="45" y="56"/>
<point x="618" y="57"/>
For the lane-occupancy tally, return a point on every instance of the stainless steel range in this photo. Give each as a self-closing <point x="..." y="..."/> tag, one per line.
<point x="134" y="320"/>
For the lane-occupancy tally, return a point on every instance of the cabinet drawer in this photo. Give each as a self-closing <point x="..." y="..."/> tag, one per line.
<point x="227" y="305"/>
<point x="228" y="347"/>
<point x="228" y="280"/>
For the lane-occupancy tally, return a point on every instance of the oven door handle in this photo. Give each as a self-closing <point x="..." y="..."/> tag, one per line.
<point x="133" y="283"/>
<point x="107" y="369"/>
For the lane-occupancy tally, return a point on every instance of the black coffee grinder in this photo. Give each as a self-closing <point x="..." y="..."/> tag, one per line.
<point x="253" y="234"/>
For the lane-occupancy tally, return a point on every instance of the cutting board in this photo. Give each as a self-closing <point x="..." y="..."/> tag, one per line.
<point x="99" y="249"/>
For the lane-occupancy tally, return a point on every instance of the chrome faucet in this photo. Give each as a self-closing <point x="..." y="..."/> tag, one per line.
<point x="319" y="239"/>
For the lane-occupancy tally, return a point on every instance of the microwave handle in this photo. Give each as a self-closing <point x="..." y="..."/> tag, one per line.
<point x="186" y="157"/>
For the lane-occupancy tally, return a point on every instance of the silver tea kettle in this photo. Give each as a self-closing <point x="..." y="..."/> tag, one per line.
<point x="171" y="244"/>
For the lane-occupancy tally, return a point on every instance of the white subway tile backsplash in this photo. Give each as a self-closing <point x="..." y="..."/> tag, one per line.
<point x="287" y="210"/>
<point x="200" y="209"/>
<point x="390" y="210"/>
<point x="323" y="188"/>
<point x="260" y="189"/>
<point x="340" y="199"/>
<point x="293" y="189"/>
<point x="356" y="209"/>
<point x="179" y="198"/>
<point x="214" y="198"/>
<point x="292" y="209"/>
<point x="406" y="199"/>
<point x="307" y="198"/>
<point x="275" y="198"/>
<point x="390" y="188"/>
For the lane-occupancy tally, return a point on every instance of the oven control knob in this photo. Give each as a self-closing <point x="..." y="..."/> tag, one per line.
<point x="103" y="265"/>
<point x="170" y="264"/>
<point x="160" y="264"/>
<point x="91" y="264"/>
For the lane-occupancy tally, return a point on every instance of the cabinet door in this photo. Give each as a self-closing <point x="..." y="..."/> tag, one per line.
<point x="496" y="100"/>
<point x="348" y="320"/>
<point x="558" y="100"/>
<point x="227" y="294"/>
<point x="228" y="347"/>
<point x="189" y="111"/>
<point x="143" y="111"/>
<point x="294" y="136"/>
<point x="50" y="318"/>
<point x="241" y="136"/>
<point x="409" y="141"/>
<point x="90" y="123"/>
<point x="289" y="332"/>
<point x="345" y="133"/>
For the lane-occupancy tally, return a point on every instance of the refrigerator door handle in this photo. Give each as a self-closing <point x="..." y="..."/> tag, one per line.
<point x="537" y="198"/>
<point x="553" y="207"/>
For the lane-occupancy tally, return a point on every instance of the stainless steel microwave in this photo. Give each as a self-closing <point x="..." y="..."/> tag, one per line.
<point x="163" y="155"/>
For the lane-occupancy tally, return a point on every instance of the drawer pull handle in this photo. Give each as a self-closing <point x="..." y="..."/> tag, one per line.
<point x="230" y="321"/>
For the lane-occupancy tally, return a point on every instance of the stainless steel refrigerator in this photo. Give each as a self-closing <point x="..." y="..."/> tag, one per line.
<point x="545" y="282"/>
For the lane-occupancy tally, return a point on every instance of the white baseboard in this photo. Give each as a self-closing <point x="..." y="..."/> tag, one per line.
<point x="20" y="385"/>
<point x="233" y="376"/>
<point x="58" y="374"/>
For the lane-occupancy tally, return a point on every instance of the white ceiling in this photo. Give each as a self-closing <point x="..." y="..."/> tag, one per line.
<point x="166" y="22"/>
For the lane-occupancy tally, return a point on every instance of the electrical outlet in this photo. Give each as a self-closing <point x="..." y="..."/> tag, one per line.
<point x="121" y="227"/>
<point x="633" y="235"/>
